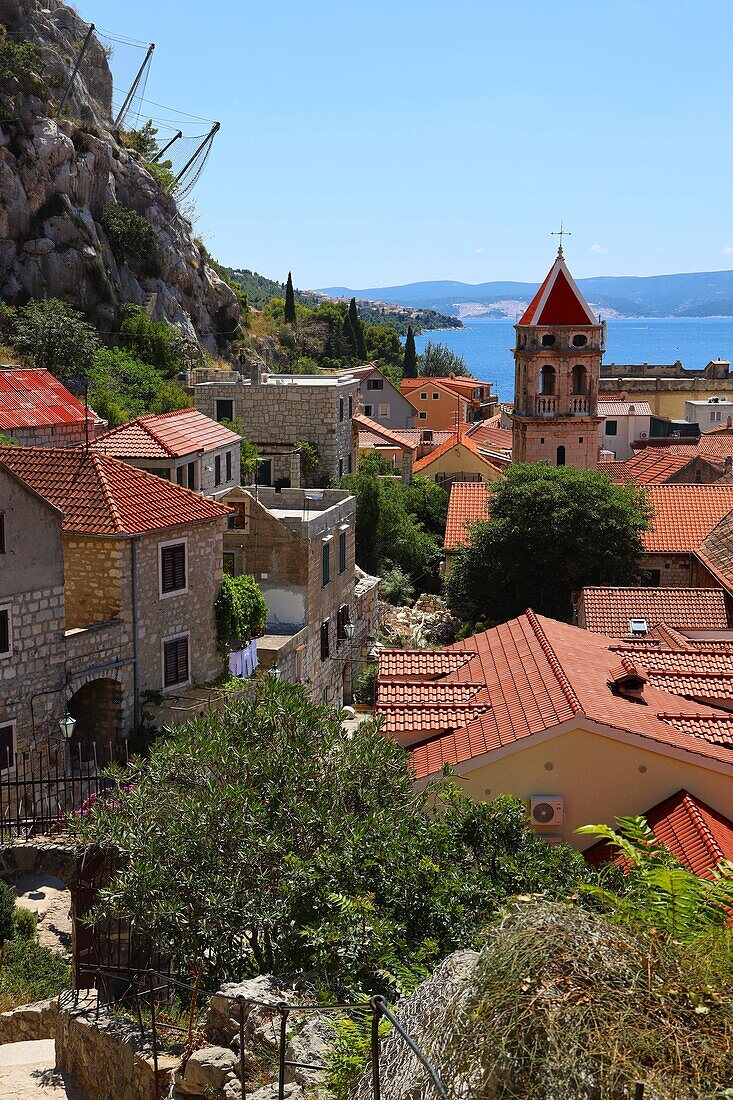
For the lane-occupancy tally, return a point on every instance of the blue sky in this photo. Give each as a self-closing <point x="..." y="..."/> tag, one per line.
<point x="382" y="143"/>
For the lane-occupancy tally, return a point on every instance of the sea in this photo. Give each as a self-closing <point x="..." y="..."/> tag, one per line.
<point x="485" y="345"/>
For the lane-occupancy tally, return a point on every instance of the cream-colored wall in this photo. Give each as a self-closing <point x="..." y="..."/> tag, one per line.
<point x="460" y="460"/>
<point x="598" y="777"/>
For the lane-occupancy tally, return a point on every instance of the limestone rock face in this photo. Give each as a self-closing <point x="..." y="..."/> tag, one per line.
<point x="58" y="174"/>
<point x="206" y="1072"/>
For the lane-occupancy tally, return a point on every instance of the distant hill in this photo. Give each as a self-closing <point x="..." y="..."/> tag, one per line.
<point x="700" y="294"/>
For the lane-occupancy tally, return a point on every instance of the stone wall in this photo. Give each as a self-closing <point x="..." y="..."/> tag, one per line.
<point x="292" y="410"/>
<point x="538" y="441"/>
<point x="675" y="570"/>
<point x="57" y="435"/>
<point x="94" y="579"/>
<point x="28" y="1023"/>
<point x="190" y="612"/>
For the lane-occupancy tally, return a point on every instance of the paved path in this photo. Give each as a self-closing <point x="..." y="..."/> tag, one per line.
<point x="28" y="1072"/>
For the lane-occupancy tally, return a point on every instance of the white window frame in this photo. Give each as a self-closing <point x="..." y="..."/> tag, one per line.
<point x="14" y="744"/>
<point x="422" y="416"/>
<point x="435" y="395"/>
<point x="174" y="638"/>
<point x="424" y="395"/>
<point x="161" y="547"/>
<point x="9" y="651"/>
<point x="384" y="410"/>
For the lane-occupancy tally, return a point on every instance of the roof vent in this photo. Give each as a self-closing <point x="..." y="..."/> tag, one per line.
<point x="628" y="681"/>
<point x="638" y="627"/>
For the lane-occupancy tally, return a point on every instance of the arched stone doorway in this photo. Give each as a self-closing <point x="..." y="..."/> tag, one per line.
<point x="97" y="707"/>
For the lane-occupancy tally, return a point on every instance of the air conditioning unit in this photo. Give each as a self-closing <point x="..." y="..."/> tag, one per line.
<point x="547" y="809"/>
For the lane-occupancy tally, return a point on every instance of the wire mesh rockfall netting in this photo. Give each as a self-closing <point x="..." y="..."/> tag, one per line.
<point x="561" y="1004"/>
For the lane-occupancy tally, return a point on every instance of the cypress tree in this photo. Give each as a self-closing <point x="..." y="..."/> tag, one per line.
<point x="409" y="367"/>
<point x="289" y="302"/>
<point x="358" y="330"/>
<point x="349" y="337"/>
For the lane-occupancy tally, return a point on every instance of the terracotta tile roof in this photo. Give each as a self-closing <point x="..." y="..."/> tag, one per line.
<point x="461" y="439"/>
<point x="469" y="501"/>
<point x="165" y="435"/>
<point x="716" y="552"/>
<point x="491" y="436"/>
<point x="647" y="467"/>
<point x="35" y="399"/>
<point x="715" y="444"/>
<point x="696" y="835"/>
<point x="416" y="436"/>
<point x="376" y="435"/>
<point x="100" y="495"/>
<point x="558" y="301"/>
<point x="613" y="407"/>
<point x="421" y="664"/>
<point x="684" y="515"/>
<point x="538" y="675"/>
<point x="608" y="610"/>
<point x="422" y="708"/>
<point x="462" y="387"/>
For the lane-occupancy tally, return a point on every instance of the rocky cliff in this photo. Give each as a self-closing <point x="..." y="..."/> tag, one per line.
<point x="59" y="174"/>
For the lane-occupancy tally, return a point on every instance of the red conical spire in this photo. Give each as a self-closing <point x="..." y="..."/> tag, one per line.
<point x="558" y="301"/>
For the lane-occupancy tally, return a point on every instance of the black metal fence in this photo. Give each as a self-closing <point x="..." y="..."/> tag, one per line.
<point x="146" y="995"/>
<point x="39" y="790"/>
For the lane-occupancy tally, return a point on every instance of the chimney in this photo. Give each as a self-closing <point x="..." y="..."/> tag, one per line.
<point x="729" y="422"/>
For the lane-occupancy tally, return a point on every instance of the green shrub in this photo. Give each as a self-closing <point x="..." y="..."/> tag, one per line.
<point x="156" y="342"/>
<point x="395" y="587"/>
<point x="56" y="337"/>
<point x="24" y="924"/>
<point x="7" y="909"/>
<point x="240" y="609"/>
<point x="20" y="61"/>
<point x="131" y="236"/>
<point x="31" y="973"/>
<point x="365" y="685"/>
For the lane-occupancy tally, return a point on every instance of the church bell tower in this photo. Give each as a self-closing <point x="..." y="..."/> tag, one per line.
<point x="558" y="353"/>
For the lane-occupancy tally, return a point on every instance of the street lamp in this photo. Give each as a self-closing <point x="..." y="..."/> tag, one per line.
<point x="274" y="673"/>
<point x="66" y="725"/>
<point x="349" y="631"/>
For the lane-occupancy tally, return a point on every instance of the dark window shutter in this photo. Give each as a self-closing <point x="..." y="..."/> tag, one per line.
<point x="325" y="647"/>
<point x="342" y="551"/>
<point x="175" y="662"/>
<point x="229" y="465"/>
<point x="4" y="631"/>
<point x="6" y="747"/>
<point x="217" y="470"/>
<point x="173" y="567"/>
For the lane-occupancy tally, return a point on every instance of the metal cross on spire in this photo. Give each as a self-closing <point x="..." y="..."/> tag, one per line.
<point x="560" y="233"/>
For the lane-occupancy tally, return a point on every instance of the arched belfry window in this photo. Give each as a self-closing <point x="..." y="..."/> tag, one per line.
<point x="560" y="460"/>
<point x="547" y="379"/>
<point x="580" y="379"/>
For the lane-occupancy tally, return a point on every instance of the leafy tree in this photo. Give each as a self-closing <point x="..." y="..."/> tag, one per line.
<point x="55" y="336"/>
<point x="384" y="347"/>
<point x="289" y="301"/>
<point x="143" y="141"/>
<point x="326" y="859"/>
<point x="131" y="236"/>
<point x="156" y="342"/>
<point x="438" y="361"/>
<point x="409" y="366"/>
<point x="427" y="502"/>
<point x="240" y="610"/>
<point x="122" y="387"/>
<point x="658" y="891"/>
<point x="552" y="530"/>
<point x="310" y="462"/>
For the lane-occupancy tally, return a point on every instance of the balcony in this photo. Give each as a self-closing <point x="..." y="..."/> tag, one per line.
<point x="579" y="405"/>
<point x="545" y="405"/>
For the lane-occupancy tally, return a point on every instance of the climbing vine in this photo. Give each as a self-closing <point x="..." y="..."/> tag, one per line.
<point x="240" y="610"/>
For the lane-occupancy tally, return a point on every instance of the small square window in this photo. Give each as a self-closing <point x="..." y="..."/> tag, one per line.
<point x="173" y="568"/>
<point x="423" y="396"/>
<point x="542" y="439"/>
<point x="6" y="633"/>
<point x="175" y="662"/>
<point x="367" y="410"/>
<point x="611" y="427"/>
<point x="384" y="410"/>
<point x="435" y="396"/>
<point x="7" y="747"/>
<point x="422" y="416"/>
<point x="224" y="410"/>
<point x="580" y="439"/>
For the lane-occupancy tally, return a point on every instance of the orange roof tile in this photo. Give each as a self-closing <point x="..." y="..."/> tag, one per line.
<point x="558" y="301"/>
<point x="99" y="495"/>
<point x="716" y="552"/>
<point x="608" y="610"/>
<point x="696" y="835"/>
<point x="370" y="429"/>
<point x="684" y="515"/>
<point x="539" y="674"/>
<point x="647" y="467"/>
<point x="612" y="406"/>
<point x="33" y="398"/>
<point x="165" y="435"/>
<point x="491" y="436"/>
<point x="469" y="502"/>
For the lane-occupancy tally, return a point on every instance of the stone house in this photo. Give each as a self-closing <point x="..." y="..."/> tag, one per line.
<point x="299" y="545"/>
<point x="182" y="446"/>
<point x="683" y="516"/>
<point x="276" y="412"/>
<point x="37" y="411"/>
<point x="117" y="601"/>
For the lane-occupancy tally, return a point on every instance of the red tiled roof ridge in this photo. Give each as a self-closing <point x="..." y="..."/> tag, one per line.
<point x="707" y="837"/>
<point x="553" y="661"/>
<point x="387" y="433"/>
<point x="107" y="491"/>
<point x="142" y="422"/>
